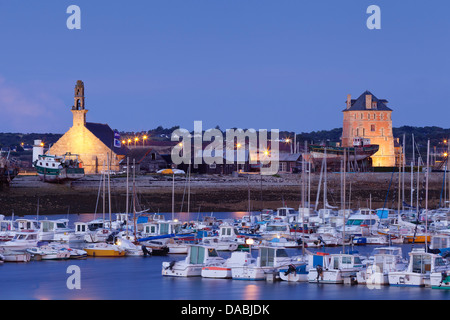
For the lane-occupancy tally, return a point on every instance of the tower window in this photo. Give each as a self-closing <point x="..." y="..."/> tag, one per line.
<point x="372" y="127"/>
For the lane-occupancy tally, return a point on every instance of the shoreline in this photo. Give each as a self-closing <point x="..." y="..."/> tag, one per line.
<point x="209" y="193"/>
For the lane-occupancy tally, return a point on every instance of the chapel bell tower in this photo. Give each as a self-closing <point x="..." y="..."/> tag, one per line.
<point x="78" y="109"/>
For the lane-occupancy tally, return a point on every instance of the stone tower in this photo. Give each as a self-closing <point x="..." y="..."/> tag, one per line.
<point x="370" y="118"/>
<point x="78" y="109"/>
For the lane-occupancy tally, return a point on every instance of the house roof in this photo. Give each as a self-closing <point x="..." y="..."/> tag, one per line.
<point x="289" y="157"/>
<point x="360" y="103"/>
<point x="138" y="154"/>
<point x="106" y="135"/>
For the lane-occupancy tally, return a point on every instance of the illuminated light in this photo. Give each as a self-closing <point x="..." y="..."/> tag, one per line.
<point x="145" y="137"/>
<point x="180" y="144"/>
<point x="249" y="241"/>
<point x="123" y="141"/>
<point x="266" y="152"/>
<point x="136" y="139"/>
<point x="445" y="154"/>
<point x="288" y="140"/>
<point x="129" y="140"/>
<point x="42" y="144"/>
<point x="238" y="145"/>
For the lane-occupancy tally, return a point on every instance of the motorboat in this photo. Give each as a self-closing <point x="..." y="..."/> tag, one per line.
<point x="104" y="250"/>
<point x="283" y="243"/>
<point x="130" y="248"/>
<point x="21" y="241"/>
<point x="333" y="268"/>
<point x="269" y="260"/>
<point x="74" y="253"/>
<point x="421" y="265"/>
<point x="275" y="229"/>
<point x="198" y="257"/>
<point x="15" y="255"/>
<point x="222" y="270"/>
<point x="48" y="253"/>
<point x="382" y="261"/>
<point x="220" y="245"/>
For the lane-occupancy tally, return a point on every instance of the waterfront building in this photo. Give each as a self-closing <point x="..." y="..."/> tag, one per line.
<point x="94" y="143"/>
<point x="368" y="117"/>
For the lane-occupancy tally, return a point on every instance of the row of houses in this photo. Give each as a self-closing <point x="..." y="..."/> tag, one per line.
<point x="150" y="159"/>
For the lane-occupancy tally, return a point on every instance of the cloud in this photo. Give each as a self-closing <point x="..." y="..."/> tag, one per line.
<point x="28" y="108"/>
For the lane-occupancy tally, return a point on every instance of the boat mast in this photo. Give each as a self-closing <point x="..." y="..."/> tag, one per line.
<point x="134" y="199"/>
<point x="104" y="190"/>
<point x="325" y="200"/>
<point x="126" y="206"/>
<point x="426" y="196"/>
<point x="109" y="190"/>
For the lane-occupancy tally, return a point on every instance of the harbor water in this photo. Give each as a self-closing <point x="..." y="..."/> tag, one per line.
<point x="139" y="277"/>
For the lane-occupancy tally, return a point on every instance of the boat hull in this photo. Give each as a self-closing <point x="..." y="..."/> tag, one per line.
<point x="104" y="253"/>
<point x="407" y="279"/>
<point x="181" y="270"/>
<point x="248" y="273"/>
<point x="216" y="272"/>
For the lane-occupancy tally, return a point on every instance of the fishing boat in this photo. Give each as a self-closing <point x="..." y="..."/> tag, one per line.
<point x="104" y="250"/>
<point x="269" y="260"/>
<point x="51" y="168"/>
<point x="382" y="261"/>
<point x="222" y="270"/>
<point x="362" y="149"/>
<point x="333" y="268"/>
<point x="421" y="265"/>
<point x="198" y="257"/>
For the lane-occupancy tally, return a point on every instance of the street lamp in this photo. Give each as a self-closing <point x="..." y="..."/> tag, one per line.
<point x="143" y="139"/>
<point x="136" y="139"/>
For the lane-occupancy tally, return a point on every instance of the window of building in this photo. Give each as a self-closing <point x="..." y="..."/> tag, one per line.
<point x="372" y="127"/>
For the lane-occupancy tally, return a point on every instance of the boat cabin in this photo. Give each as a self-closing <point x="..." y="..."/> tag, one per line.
<point x="160" y="228"/>
<point x="227" y="232"/>
<point x="441" y="242"/>
<point x="423" y="262"/>
<point x="201" y="254"/>
<point x="271" y="257"/>
<point x="81" y="227"/>
<point x="26" y="224"/>
<point x="285" y="214"/>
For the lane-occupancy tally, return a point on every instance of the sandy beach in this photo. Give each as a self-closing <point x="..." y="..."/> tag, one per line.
<point x="207" y="193"/>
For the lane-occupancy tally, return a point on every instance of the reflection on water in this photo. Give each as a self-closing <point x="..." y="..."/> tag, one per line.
<point x="251" y="292"/>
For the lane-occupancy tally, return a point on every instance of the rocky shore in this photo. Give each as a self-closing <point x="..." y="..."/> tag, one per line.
<point x="207" y="193"/>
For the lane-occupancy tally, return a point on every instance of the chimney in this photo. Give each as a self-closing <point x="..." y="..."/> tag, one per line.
<point x="368" y="101"/>
<point x="349" y="101"/>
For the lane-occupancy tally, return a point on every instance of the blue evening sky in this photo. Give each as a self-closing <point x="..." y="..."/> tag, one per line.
<point x="262" y="64"/>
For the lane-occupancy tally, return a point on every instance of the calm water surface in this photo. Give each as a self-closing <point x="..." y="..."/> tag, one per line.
<point x="140" y="278"/>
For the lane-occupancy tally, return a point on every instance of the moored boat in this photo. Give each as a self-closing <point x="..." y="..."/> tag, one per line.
<point x="104" y="250"/>
<point x="198" y="257"/>
<point x="52" y="168"/>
